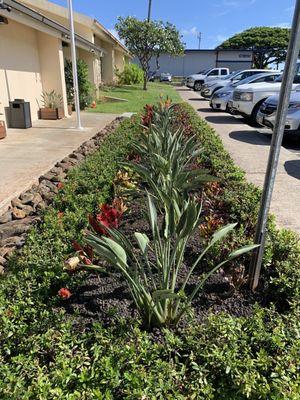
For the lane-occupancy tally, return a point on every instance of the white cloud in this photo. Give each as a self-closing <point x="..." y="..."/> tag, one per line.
<point x="221" y="38"/>
<point x="290" y="9"/>
<point x="282" y="25"/>
<point x="238" y="3"/>
<point x="190" y="32"/>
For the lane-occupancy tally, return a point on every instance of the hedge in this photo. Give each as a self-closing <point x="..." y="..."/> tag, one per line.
<point x="45" y="355"/>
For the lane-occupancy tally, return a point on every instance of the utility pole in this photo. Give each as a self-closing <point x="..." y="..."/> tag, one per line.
<point x="149" y="10"/>
<point x="199" y="38"/>
<point x="74" y="65"/>
<point x="284" y="98"/>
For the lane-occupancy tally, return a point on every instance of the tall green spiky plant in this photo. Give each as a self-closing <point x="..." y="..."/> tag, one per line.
<point x="151" y="267"/>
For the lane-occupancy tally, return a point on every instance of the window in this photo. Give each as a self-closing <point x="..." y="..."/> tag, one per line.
<point x="270" y="78"/>
<point x="214" y="72"/>
<point x="223" y="71"/>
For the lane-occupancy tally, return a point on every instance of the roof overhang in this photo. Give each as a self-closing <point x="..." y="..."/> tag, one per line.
<point x="106" y="34"/>
<point x="23" y="14"/>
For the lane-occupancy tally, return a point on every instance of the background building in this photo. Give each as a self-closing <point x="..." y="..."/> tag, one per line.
<point x="194" y="61"/>
<point x="34" y="44"/>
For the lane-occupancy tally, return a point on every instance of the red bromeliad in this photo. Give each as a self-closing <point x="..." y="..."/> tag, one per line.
<point x="109" y="217"/>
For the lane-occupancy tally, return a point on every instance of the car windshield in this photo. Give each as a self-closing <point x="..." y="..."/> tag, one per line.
<point x="228" y="76"/>
<point x="296" y="78"/>
<point x="250" y="79"/>
<point x="203" y="72"/>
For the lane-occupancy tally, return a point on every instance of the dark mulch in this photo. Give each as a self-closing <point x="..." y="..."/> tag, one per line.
<point x="106" y="298"/>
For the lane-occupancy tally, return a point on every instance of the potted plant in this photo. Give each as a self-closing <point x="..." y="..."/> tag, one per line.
<point x="52" y="106"/>
<point x="2" y="129"/>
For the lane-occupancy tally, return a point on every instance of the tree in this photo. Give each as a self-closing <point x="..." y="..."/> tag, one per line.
<point x="269" y="44"/>
<point x="147" y="39"/>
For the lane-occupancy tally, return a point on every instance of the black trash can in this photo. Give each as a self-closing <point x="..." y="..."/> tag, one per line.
<point x="19" y="114"/>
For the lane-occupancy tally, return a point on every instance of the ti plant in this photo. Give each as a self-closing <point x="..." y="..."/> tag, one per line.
<point x="151" y="268"/>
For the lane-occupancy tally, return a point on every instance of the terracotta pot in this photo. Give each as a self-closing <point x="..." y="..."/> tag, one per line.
<point x="2" y="130"/>
<point x="52" y="113"/>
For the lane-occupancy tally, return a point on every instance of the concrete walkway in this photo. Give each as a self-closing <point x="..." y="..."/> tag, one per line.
<point x="27" y="154"/>
<point x="249" y="147"/>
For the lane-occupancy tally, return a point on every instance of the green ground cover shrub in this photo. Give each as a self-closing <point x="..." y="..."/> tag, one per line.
<point x="131" y="75"/>
<point x="45" y="354"/>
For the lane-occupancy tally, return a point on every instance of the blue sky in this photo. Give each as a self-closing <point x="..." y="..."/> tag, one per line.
<point x="215" y="19"/>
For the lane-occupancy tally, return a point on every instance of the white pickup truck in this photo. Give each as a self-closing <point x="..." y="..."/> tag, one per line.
<point x="197" y="80"/>
<point x="247" y="99"/>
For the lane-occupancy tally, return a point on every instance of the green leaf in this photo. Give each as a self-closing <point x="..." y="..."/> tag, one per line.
<point x="142" y="240"/>
<point x="221" y="233"/>
<point x="116" y="249"/>
<point x="242" y="250"/>
<point x="164" y="294"/>
<point x="152" y="212"/>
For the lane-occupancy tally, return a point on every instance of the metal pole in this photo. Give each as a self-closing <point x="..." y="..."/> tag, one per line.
<point x="74" y="65"/>
<point x="199" y="37"/>
<point x="149" y="10"/>
<point x="284" y="97"/>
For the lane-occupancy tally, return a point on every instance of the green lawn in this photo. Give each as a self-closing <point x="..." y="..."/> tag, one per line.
<point x="136" y="96"/>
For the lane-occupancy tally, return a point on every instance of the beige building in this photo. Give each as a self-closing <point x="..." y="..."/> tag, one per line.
<point x="34" y="43"/>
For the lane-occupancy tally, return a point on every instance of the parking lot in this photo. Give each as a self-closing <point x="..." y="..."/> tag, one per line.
<point x="249" y="147"/>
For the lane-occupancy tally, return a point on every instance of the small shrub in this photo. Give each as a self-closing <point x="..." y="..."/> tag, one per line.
<point x="86" y="89"/>
<point x="131" y="75"/>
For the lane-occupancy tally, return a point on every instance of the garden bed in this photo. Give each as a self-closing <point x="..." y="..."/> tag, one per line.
<point x="244" y="353"/>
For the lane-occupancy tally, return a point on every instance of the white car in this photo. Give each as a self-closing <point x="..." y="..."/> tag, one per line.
<point x="247" y="99"/>
<point x="209" y="88"/>
<point x="221" y="98"/>
<point x="267" y="113"/>
<point x="165" y="77"/>
<point x="197" y="80"/>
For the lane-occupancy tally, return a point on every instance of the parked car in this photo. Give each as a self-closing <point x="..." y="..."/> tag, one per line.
<point x="221" y="98"/>
<point x="151" y="76"/>
<point x="197" y="80"/>
<point x="165" y="77"/>
<point x="247" y="99"/>
<point x="209" y="88"/>
<point x="267" y="113"/>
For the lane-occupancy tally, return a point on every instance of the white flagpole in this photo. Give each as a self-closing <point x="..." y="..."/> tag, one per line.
<point x="74" y="65"/>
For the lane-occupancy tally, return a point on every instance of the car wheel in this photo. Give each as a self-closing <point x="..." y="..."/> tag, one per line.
<point x="197" y="86"/>
<point x="254" y="113"/>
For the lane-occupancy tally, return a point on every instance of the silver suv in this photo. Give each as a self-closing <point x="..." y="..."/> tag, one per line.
<point x="209" y="88"/>
<point x="221" y="98"/>
<point x="267" y="113"/>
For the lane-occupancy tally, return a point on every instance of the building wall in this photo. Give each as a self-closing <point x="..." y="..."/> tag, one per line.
<point x="107" y="61"/>
<point x="119" y="60"/>
<point x="195" y="61"/>
<point x="20" y="70"/>
<point x="52" y="66"/>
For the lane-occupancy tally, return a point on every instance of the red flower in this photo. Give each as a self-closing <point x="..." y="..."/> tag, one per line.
<point x="109" y="217"/>
<point x="64" y="293"/>
<point x="147" y="118"/>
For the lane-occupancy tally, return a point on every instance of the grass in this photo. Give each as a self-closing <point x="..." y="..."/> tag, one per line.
<point x="136" y="96"/>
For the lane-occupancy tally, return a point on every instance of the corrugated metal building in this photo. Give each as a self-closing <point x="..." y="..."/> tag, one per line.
<point x="194" y="61"/>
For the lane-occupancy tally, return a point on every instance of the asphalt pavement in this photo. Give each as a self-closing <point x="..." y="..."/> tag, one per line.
<point x="249" y="147"/>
